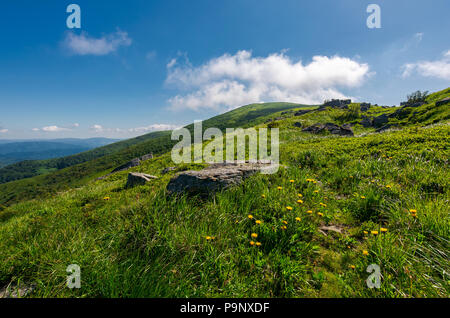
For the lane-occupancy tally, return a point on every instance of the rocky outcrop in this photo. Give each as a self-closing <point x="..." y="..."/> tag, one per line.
<point x="366" y="121"/>
<point x="380" y="120"/>
<point x="330" y="127"/>
<point x="133" y="163"/>
<point x="298" y="124"/>
<point x="337" y="103"/>
<point x="443" y="101"/>
<point x="364" y="107"/>
<point x="302" y="112"/>
<point x="136" y="178"/>
<point x="167" y="170"/>
<point x="214" y="177"/>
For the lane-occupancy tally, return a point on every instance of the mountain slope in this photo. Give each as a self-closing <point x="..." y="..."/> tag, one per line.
<point x="76" y="170"/>
<point x="376" y="198"/>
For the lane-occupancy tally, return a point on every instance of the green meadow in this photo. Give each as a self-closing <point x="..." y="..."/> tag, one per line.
<point x="336" y="205"/>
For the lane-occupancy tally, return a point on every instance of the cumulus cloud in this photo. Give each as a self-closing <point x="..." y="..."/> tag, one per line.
<point x="97" y="128"/>
<point x="230" y="81"/>
<point x="55" y="128"/>
<point x="438" y="68"/>
<point x="3" y="130"/>
<point x="83" y="44"/>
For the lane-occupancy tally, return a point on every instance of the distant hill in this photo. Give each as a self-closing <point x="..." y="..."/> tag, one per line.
<point x="12" y="151"/>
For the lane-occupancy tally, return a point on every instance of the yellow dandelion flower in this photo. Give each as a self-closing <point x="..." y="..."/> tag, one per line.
<point x="258" y="221"/>
<point x="289" y="208"/>
<point x="323" y="204"/>
<point x="280" y="188"/>
<point x="208" y="238"/>
<point x="365" y="232"/>
<point x="284" y="227"/>
<point x="316" y="191"/>
<point x="291" y="181"/>
<point x="320" y="214"/>
<point x="300" y="201"/>
<point x="412" y="211"/>
<point x="374" y="232"/>
<point x="254" y="235"/>
<point x="383" y="229"/>
<point x="309" y="212"/>
<point x="258" y="243"/>
<point x="388" y="186"/>
<point x="106" y="198"/>
<point x="252" y="243"/>
<point x="352" y="266"/>
<point x="263" y="196"/>
<point x="285" y="222"/>
<point x="365" y="252"/>
<point x="298" y="219"/>
<point x="213" y="237"/>
<point x="363" y="197"/>
<point x="250" y="216"/>
<point x="300" y="195"/>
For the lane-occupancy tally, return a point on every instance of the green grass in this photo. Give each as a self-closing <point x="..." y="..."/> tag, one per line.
<point x="143" y="243"/>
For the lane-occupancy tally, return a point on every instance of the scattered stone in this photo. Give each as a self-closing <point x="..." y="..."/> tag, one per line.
<point x="214" y="177"/>
<point x="366" y="121"/>
<point x="167" y="170"/>
<point x="443" y="101"/>
<point x="16" y="291"/>
<point x="133" y="163"/>
<point x="298" y="124"/>
<point x="136" y="178"/>
<point x="337" y="103"/>
<point x="302" y="112"/>
<point x="364" y="107"/>
<point x="380" y="120"/>
<point x="332" y="128"/>
<point x="385" y="127"/>
<point x="332" y="228"/>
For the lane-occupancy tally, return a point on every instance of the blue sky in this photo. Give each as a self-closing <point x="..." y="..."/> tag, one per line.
<point x="139" y="66"/>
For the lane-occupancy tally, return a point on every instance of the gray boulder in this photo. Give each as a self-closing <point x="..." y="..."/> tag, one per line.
<point x="133" y="163"/>
<point x="443" y="101"/>
<point x="332" y="128"/>
<point x="366" y="121"/>
<point x="302" y="112"/>
<point x="380" y="120"/>
<point x="298" y="124"/>
<point x="167" y="170"/>
<point x="213" y="178"/>
<point x="136" y="178"/>
<point x="364" y="107"/>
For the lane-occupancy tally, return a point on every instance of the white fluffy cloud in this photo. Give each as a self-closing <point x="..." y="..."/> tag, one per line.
<point x="438" y="68"/>
<point x="84" y="45"/>
<point x="3" y="131"/>
<point x="97" y="128"/>
<point x="230" y="81"/>
<point x="55" y="128"/>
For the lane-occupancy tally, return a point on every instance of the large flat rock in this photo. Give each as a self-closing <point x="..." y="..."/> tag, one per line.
<point x="214" y="177"/>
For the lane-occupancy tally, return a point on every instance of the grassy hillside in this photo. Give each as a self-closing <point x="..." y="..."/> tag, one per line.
<point x="76" y="170"/>
<point x="384" y="194"/>
<point x="32" y="168"/>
